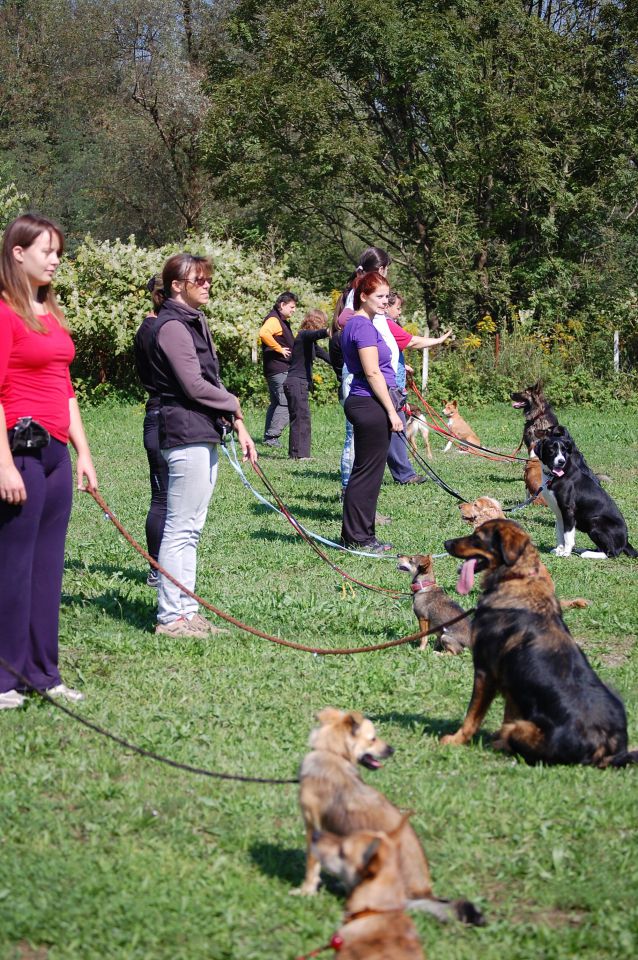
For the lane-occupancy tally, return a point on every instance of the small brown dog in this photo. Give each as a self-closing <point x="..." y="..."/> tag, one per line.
<point x="375" y="926"/>
<point x="557" y="710"/>
<point x="432" y="606"/>
<point x="487" y="508"/>
<point x="333" y="797"/>
<point x="533" y="478"/>
<point x="458" y="426"/>
<point x="417" y="425"/>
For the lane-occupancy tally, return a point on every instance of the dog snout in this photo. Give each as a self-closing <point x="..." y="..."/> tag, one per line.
<point x="389" y="750"/>
<point x="315" y="836"/>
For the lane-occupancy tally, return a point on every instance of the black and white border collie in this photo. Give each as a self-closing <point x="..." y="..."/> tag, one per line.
<point x="578" y="501"/>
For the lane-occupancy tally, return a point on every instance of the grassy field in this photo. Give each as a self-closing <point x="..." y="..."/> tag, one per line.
<point x="107" y="855"/>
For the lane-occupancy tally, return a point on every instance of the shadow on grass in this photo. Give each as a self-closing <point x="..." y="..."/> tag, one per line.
<point x="288" y="865"/>
<point x="134" y="574"/>
<point x="137" y="613"/>
<point x="428" y="726"/>
<point x="325" y="514"/>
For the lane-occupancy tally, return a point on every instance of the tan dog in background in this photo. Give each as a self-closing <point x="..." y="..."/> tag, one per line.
<point x="368" y="863"/>
<point x="533" y="478"/>
<point x="333" y="797"/>
<point x="416" y="425"/>
<point x="458" y="426"/>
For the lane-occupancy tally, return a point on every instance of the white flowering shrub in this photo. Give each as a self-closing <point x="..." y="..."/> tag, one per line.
<point x="103" y="291"/>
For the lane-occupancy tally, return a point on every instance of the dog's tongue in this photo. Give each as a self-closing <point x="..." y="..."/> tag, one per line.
<point x="558" y="473"/>
<point x="466" y="577"/>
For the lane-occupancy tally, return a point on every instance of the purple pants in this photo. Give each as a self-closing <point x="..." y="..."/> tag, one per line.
<point x="31" y="565"/>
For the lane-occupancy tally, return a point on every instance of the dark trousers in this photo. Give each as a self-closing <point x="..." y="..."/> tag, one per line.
<point x="296" y="391"/>
<point x="277" y="412"/>
<point x="371" y="441"/>
<point x="158" y="475"/>
<point x="31" y="565"/>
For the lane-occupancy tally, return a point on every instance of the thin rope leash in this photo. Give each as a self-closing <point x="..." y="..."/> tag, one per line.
<point x="149" y="754"/>
<point x="318" y="651"/>
<point x="237" y="467"/>
<point x="395" y="594"/>
<point x="446" y="432"/>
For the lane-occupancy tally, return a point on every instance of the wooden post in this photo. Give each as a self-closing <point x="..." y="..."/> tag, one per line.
<point x="497" y="346"/>
<point x="426" y="364"/>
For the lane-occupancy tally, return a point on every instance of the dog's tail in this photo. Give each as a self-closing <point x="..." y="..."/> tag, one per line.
<point x="623" y="759"/>
<point x="447" y="910"/>
<point x="578" y="602"/>
<point x="630" y="551"/>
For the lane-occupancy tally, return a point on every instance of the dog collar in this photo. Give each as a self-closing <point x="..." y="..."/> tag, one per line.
<point x="336" y="943"/>
<point x="420" y="585"/>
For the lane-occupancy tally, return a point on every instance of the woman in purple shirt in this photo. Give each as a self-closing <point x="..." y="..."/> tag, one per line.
<point x="370" y="409"/>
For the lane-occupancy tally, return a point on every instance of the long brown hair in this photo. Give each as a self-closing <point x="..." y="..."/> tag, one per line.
<point x="314" y="320"/>
<point x="14" y="286"/>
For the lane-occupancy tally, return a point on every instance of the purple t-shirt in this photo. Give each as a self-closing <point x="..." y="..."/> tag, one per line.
<point x="359" y="332"/>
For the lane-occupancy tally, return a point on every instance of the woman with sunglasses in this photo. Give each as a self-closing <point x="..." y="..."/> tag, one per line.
<point x="194" y="405"/>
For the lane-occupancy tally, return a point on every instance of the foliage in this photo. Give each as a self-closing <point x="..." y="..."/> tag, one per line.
<point x="103" y="290"/>
<point x="12" y="202"/>
<point x="109" y="856"/>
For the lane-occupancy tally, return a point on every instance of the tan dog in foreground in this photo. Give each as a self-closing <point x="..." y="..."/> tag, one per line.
<point x="458" y="426"/>
<point x="487" y="508"/>
<point x="333" y="797"/>
<point x="375" y="926"/>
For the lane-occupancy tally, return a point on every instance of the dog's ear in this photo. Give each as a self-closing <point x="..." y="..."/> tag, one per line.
<point x="369" y="854"/>
<point x="512" y="541"/>
<point x="354" y="721"/>
<point x="328" y="715"/>
<point x="537" y="387"/>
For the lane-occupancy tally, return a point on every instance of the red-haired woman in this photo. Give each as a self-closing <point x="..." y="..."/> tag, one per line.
<point x="38" y="416"/>
<point x="370" y="409"/>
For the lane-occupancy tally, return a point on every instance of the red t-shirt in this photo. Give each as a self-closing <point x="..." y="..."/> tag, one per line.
<point x="34" y="372"/>
<point x="401" y="336"/>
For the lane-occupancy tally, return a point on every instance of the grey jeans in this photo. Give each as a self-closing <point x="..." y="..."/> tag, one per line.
<point x="277" y="412"/>
<point x="192" y="473"/>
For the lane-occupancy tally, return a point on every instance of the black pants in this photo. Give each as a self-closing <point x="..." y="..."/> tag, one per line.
<point x="158" y="475"/>
<point x="372" y="434"/>
<point x="296" y="391"/>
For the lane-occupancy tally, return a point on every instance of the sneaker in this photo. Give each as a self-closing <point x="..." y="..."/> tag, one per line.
<point x="203" y="625"/>
<point x="67" y="693"/>
<point x="153" y="579"/>
<point x="179" y="628"/>
<point x="375" y="546"/>
<point x="414" y="479"/>
<point x="272" y="442"/>
<point x="380" y="520"/>
<point x="10" y="700"/>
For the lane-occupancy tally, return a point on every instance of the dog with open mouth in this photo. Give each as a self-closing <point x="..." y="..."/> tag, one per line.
<point x="376" y="926"/>
<point x="579" y="502"/>
<point x="557" y="709"/>
<point x="333" y="797"/>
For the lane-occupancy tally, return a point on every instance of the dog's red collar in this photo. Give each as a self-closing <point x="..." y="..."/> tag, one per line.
<point x="419" y="585"/>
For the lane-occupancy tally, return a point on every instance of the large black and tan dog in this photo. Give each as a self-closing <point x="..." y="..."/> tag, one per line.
<point x="578" y="500"/>
<point x="557" y="710"/>
<point x="539" y="416"/>
<point x="333" y="797"/>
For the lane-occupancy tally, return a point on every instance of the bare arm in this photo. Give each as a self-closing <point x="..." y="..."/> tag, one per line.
<point x="84" y="466"/>
<point x="423" y="343"/>
<point x="12" y="488"/>
<point x="369" y="357"/>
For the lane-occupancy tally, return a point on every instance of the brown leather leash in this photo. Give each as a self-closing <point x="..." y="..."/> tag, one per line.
<point x="318" y="651"/>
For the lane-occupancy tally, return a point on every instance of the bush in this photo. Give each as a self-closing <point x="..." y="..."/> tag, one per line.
<point x="103" y="291"/>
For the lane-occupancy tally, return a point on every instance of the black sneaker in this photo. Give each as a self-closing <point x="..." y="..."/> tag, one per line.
<point x="272" y="442"/>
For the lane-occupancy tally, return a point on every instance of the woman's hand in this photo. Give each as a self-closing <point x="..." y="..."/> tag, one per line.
<point x="246" y="442"/>
<point x="396" y="422"/>
<point x="448" y="333"/>
<point x="12" y="489"/>
<point x="84" y="469"/>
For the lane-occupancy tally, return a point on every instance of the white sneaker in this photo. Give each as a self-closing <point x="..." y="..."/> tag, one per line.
<point x="200" y="623"/>
<point x="10" y="700"/>
<point x="67" y="693"/>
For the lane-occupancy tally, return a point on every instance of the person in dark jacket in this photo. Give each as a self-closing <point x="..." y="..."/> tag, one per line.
<point x="299" y="381"/>
<point x="277" y="341"/>
<point x="194" y="404"/>
<point x="158" y="468"/>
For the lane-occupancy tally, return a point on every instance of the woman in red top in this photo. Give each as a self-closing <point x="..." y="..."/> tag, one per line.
<point x="36" y="485"/>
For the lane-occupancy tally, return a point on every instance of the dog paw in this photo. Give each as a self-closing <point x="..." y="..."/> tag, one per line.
<point x="561" y="551"/>
<point x="451" y="739"/>
<point x="303" y="891"/>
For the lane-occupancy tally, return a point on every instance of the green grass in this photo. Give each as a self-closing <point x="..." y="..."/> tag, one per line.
<point x="106" y="855"/>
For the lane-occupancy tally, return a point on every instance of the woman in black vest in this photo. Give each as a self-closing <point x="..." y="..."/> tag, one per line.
<point x="193" y="402"/>
<point x="277" y="341"/>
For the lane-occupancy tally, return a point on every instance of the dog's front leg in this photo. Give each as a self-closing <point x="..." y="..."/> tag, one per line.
<point x="424" y="624"/>
<point x="483" y="693"/>
<point x="552" y="503"/>
<point x="313" y="870"/>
